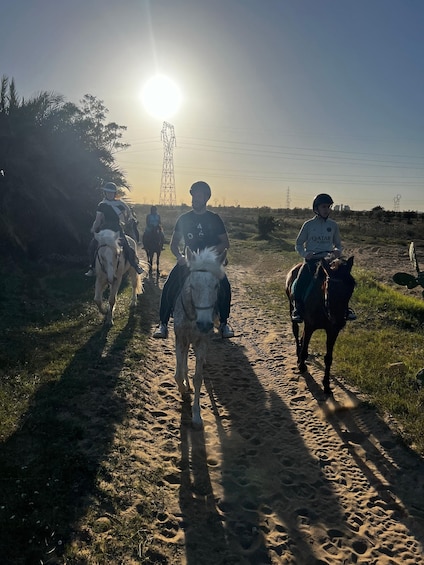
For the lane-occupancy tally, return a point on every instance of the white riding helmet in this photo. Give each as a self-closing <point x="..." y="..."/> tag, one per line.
<point x="110" y="187"/>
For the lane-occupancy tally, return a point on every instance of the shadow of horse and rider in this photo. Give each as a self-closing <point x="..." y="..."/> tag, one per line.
<point x="262" y="485"/>
<point x="265" y="487"/>
<point x="59" y="448"/>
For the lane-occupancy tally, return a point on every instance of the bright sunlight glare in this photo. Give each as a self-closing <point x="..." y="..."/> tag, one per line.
<point x="161" y="97"/>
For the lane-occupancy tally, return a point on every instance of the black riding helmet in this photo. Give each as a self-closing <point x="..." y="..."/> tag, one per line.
<point x="203" y="186"/>
<point x="321" y="199"/>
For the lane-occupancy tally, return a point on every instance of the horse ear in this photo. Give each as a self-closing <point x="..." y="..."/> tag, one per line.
<point x="350" y="262"/>
<point x="189" y="254"/>
<point x="222" y="258"/>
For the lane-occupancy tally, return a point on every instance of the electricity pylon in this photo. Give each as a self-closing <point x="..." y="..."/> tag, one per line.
<point x="167" y="195"/>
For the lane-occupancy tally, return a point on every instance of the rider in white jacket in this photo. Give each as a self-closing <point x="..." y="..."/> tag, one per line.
<point x="318" y="237"/>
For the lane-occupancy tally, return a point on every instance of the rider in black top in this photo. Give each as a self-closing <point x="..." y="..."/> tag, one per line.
<point x="111" y="214"/>
<point x="197" y="229"/>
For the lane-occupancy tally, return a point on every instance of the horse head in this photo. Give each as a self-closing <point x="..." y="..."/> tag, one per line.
<point x="338" y="287"/>
<point x="108" y="253"/>
<point x="206" y="270"/>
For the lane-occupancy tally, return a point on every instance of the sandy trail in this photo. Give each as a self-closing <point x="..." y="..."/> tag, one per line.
<point x="278" y="474"/>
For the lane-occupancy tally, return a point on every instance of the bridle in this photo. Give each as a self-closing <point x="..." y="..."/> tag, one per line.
<point x="192" y="304"/>
<point x="99" y="259"/>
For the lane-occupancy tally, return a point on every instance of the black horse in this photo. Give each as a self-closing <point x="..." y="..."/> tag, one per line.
<point x="153" y="241"/>
<point x="326" y="306"/>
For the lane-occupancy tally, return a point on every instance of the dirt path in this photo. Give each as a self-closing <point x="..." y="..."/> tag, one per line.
<point x="278" y="475"/>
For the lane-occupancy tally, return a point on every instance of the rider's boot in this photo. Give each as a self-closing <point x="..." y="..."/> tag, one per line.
<point x="350" y="315"/>
<point x="225" y="330"/>
<point x="90" y="272"/>
<point x="161" y="331"/>
<point x="134" y="260"/>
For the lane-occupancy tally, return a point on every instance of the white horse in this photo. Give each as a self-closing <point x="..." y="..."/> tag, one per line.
<point x="194" y="316"/>
<point x="110" y="266"/>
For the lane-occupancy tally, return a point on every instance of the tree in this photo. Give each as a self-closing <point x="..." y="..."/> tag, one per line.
<point x="266" y="225"/>
<point x="54" y="155"/>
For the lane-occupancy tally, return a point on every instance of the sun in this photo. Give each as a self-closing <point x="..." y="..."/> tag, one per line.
<point x="161" y="97"/>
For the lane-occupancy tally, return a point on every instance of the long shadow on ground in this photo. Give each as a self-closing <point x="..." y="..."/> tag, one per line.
<point x="393" y="470"/>
<point x="49" y="466"/>
<point x="266" y="474"/>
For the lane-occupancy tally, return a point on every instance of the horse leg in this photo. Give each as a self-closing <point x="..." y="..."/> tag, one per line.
<point x="114" y="287"/>
<point x="328" y="360"/>
<point x="98" y="293"/>
<point x="295" y="329"/>
<point x="181" y="372"/>
<point x="304" y="349"/>
<point x="200" y="353"/>
<point x="157" y="261"/>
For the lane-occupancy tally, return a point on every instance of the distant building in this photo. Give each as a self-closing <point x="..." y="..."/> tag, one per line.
<point x="342" y="208"/>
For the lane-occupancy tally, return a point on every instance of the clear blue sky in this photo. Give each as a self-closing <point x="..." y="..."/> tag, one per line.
<point x="283" y="99"/>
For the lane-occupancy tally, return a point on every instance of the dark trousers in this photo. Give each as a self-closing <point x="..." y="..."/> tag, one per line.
<point x="173" y="285"/>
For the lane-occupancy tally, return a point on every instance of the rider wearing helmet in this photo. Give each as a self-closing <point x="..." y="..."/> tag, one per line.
<point x="197" y="229"/>
<point x="153" y="219"/>
<point x="319" y="237"/>
<point x="112" y="214"/>
<point x="154" y="224"/>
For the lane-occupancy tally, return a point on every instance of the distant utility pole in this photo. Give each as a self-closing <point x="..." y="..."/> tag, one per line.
<point x="167" y="195"/>
<point x="288" y="198"/>
<point x="396" y="201"/>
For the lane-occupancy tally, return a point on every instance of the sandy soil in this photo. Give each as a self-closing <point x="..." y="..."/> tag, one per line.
<point x="278" y="474"/>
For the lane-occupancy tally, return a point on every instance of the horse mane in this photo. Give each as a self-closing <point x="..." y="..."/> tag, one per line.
<point x="206" y="260"/>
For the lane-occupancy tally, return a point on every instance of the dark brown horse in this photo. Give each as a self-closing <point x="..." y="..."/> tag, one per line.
<point x="153" y="242"/>
<point x="326" y="304"/>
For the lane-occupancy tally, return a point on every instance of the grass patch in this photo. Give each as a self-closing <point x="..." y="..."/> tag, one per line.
<point x="63" y="393"/>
